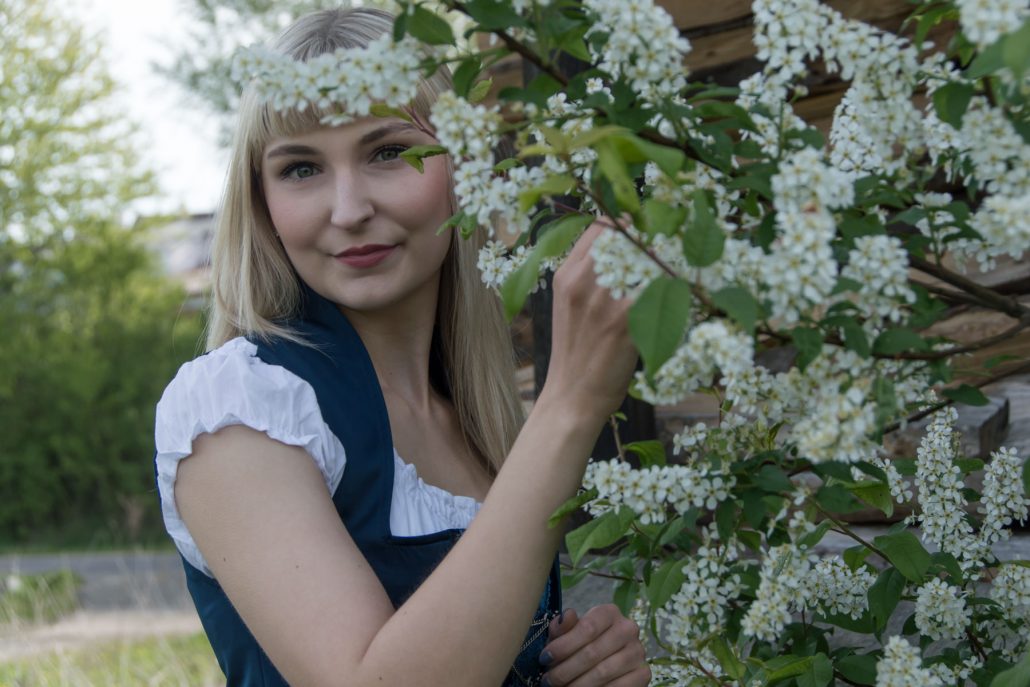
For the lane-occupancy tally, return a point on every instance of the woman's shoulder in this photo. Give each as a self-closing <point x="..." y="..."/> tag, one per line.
<point x="232" y="385"/>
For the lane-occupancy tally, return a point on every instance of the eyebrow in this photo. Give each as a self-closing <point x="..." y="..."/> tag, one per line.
<point x="394" y="127"/>
<point x="372" y="136"/>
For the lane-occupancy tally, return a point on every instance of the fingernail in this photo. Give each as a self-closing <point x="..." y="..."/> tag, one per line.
<point x="561" y="618"/>
<point x="546" y="658"/>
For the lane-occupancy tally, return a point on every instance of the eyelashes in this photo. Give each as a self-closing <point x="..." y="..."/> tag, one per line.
<point x="302" y="169"/>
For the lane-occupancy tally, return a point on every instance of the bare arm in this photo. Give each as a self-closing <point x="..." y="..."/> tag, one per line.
<point x="260" y="513"/>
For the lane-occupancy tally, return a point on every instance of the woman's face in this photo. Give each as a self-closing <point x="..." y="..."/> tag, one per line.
<point x="358" y="222"/>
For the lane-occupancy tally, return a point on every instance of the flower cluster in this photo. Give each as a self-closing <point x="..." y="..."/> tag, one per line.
<point x="941" y="611"/>
<point x="1003" y="498"/>
<point x="939" y="488"/>
<point x="698" y="608"/>
<point x="711" y="346"/>
<point x="351" y="79"/>
<point x="623" y="269"/>
<point x="783" y="587"/>
<point x="1011" y="591"/>
<point x="901" y="666"/>
<point x="642" y="45"/>
<point x="985" y="21"/>
<point x="650" y="492"/>
<point x="880" y="265"/>
<point x="836" y="588"/>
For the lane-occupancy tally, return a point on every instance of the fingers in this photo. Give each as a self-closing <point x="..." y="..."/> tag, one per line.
<point x="602" y="646"/>
<point x="562" y="624"/>
<point x="626" y="668"/>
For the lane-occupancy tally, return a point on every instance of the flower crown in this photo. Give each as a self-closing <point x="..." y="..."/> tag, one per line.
<point x="354" y="79"/>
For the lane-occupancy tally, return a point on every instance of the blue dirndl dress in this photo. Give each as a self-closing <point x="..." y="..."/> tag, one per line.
<point x="338" y="368"/>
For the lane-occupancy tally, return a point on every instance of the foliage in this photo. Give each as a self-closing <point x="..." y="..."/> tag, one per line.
<point x="184" y="661"/>
<point x="739" y="229"/>
<point x="88" y="333"/>
<point x="41" y="598"/>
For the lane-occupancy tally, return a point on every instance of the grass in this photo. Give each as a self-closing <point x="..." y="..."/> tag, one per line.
<point x="41" y="598"/>
<point x="180" y="661"/>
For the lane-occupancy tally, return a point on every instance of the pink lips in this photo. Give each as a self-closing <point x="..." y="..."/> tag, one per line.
<point x="365" y="256"/>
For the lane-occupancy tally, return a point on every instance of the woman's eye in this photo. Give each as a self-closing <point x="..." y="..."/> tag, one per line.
<point x="299" y="170"/>
<point x="389" y="153"/>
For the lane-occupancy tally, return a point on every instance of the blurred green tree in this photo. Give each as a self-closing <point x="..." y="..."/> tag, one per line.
<point x="89" y="334"/>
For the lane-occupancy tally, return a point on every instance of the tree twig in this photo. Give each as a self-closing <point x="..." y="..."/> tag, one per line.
<point x="988" y="297"/>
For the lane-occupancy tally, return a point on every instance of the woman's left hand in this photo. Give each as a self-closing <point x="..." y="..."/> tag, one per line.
<point x="601" y="648"/>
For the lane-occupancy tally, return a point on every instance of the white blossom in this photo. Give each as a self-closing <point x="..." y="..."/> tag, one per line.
<point x="941" y="611"/>
<point x="1011" y="591"/>
<point x="985" y="21"/>
<point x="901" y="666"/>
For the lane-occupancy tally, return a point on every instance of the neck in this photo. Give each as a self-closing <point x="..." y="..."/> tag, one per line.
<point x="398" y="340"/>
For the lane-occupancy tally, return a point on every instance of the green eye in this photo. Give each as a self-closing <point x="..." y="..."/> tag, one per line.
<point x="299" y="170"/>
<point x="389" y="153"/>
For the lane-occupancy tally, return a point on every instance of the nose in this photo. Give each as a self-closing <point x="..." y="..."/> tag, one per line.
<point x="352" y="203"/>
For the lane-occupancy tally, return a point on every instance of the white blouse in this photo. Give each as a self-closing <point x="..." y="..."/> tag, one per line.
<point x="232" y="386"/>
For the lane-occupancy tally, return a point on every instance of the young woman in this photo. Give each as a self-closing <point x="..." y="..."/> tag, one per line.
<point x="347" y="473"/>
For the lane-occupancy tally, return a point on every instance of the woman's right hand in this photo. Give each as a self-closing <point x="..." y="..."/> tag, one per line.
<point x="592" y="355"/>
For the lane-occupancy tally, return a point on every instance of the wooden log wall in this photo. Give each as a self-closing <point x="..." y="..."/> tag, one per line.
<point x="722" y="52"/>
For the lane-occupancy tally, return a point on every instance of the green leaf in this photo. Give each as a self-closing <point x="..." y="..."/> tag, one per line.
<point x="650" y="452"/>
<point x="658" y="319"/>
<point x="517" y="286"/>
<point x="704" y="239"/>
<point x="987" y="62"/>
<point x="625" y="595"/>
<point x="859" y="669"/>
<point x="400" y="26"/>
<point x="384" y="110"/>
<point x="492" y="15"/>
<point x="854" y="337"/>
<point x="969" y="395"/>
<point x="598" y="533"/>
<point x="815" y="536"/>
<point x="819" y="673"/>
<point x="571" y="505"/>
<point x="906" y="553"/>
<point x="951" y="102"/>
<point x="554" y="185"/>
<point x="809" y="343"/>
<point x="465" y="74"/>
<point x="1016" y="50"/>
<point x="1026" y="478"/>
<point x="415" y="154"/>
<point x="592" y="136"/>
<point x="430" y="28"/>
<point x="665" y="582"/>
<point x="506" y="164"/>
<point x="773" y="480"/>
<point x="613" y="168"/>
<point x="635" y="149"/>
<point x="731" y="665"/>
<point x="1016" y="676"/>
<point x="876" y="494"/>
<point x="725" y="519"/>
<point x="556" y="237"/>
<point x="794" y="665"/>
<point x="662" y="218"/>
<point x="886" y="400"/>
<point x="884" y="596"/>
<point x="739" y="304"/>
<point x="855" y="555"/>
<point x="897" y="340"/>
<point x="480" y="90"/>
<point x="837" y="499"/>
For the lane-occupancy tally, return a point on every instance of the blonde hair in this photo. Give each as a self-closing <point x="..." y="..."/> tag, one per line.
<point x="255" y="289"/>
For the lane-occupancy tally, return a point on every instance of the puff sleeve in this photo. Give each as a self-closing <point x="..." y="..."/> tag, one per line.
<point x="232" y="386"/>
